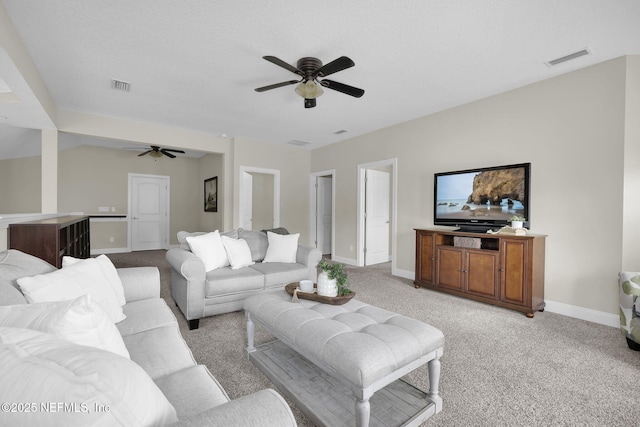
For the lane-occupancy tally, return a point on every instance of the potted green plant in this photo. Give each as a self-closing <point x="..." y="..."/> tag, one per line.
<point x="333" y="279"/>
<point x="517" y="221"/>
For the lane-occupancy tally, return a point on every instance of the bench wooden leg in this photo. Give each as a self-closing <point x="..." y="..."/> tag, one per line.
<point x="251" y="330"/>
<point x="434" y="382"/>
<point x="363" y="410"/>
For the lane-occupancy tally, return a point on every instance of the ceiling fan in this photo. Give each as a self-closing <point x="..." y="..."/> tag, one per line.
<point x="157" y="152"/>
<point x="311" y="69"/>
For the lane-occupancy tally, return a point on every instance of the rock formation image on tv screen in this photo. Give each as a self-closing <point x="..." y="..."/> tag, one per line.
<point x="484" y="195"/>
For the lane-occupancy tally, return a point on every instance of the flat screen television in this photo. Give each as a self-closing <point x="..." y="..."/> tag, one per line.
<point x="482" y="199"/>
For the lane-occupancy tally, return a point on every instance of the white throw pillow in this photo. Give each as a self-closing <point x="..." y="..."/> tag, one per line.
<point x="282" y="248"/>
<point x="71" y="282"/>
<point x="209" y="248"/>
<point x="73" y="385"/>
<point x="108" y="269"/>
<point x="80" y="321"/>
<point x="238" y="252"/>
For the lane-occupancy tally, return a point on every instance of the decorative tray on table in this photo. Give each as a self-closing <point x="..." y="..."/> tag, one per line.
<point x="313" y="296"/>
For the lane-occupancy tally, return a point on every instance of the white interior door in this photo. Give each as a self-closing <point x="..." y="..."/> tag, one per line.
<point x="149" y="212"/>
<point x="246" y="202"/>
<point x="324" y="214"/>
<point x="377" y="217"/>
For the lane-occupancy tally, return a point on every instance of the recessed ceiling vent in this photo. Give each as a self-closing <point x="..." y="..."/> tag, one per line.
<point x="569" y="57"/>
<point x="120" y="85"/>
<point x="298" y="143"/>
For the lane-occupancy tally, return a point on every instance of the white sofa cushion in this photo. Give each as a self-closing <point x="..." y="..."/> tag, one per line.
<point x="75" y="280"/>
<point x="209" y="248"/>
<point x="47" y="370"/>
<point x="160" y="350"/>
<point x="79" y="321"/>
<point x="238" y="252"/>
<point x="282" y="248"/>
<point x="108" y="270"/>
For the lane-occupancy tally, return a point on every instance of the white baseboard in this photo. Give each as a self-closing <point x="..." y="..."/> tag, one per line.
<point x="406" y="274"/>
<point x="347" y="261"/>
<point x="581" y="313"/>
<point x="109" y="251"/>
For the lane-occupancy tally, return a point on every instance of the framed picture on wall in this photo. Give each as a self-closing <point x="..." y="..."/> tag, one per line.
<point x="211" y="194"/>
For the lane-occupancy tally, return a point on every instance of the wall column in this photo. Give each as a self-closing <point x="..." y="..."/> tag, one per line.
<point x="49" y="166"/>
<point x="631" y="177"/>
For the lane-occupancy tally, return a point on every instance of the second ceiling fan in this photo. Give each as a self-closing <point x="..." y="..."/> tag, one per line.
<point x="156" y="152"/>
<point x="311" y="69"/>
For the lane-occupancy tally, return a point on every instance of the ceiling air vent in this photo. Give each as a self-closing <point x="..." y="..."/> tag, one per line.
<point x="340" y="132"/>
<point x="120" y="85"/>
<point x="298" y="143"/>
<point x="569" y="57"/>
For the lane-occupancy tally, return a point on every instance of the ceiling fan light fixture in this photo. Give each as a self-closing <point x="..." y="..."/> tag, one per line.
<point x="309" y="90"/>
<point x="155" y="154"/>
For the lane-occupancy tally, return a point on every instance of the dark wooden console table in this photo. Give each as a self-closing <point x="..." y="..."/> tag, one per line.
<point x="51" y="239"/>
<point x="499" y="269"/>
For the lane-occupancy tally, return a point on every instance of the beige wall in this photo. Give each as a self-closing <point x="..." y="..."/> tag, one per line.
<point x="20" y="185"/>
<point x="571" y="128"/>
<point x="90" y="177"/>
<point x="631" y="208"/>
<point x="294" y="165"/>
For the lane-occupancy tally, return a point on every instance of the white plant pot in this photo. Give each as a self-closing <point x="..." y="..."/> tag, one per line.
<point x="516" y="224"/>
<point x="327" y="287"/>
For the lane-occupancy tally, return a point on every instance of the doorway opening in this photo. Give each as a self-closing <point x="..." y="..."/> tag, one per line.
<point x="259" y="198"/>
<point x="322" y="211"/>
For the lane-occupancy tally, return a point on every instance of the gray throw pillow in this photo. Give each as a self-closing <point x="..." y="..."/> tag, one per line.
<point x="257" y="241"/>
<point x="279" y="230"/>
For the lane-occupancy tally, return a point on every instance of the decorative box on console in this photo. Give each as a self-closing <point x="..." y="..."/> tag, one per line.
<point x="467" y="242"/>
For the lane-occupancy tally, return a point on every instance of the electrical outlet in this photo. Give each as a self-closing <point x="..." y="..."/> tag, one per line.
<point x="111" y="239"/>
<point x="113" y="209"/>
<point x="103" y="209"/>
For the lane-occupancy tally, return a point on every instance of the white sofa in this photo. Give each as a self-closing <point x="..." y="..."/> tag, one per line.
<point x="200" y="293"/>
<point x="107" y="388"/>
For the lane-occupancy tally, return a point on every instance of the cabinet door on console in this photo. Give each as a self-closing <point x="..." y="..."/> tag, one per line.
<point x="515" y="260"/>
<point x="424" y="257"/>
<point x="482" y="273"/>
<point x="450" y="267"/>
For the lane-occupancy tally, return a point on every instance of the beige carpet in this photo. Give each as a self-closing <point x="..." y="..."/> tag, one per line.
<point x="499" y="367"/>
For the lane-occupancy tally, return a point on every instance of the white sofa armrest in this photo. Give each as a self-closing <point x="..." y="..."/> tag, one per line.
<point x="187" y="283"/>
<point x="140" y="282"/>
<point x="265" y="408"/>
<point x="310" y="257"/>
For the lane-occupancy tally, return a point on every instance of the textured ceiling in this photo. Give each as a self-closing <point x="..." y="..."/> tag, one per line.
<point x="194" y="64"/>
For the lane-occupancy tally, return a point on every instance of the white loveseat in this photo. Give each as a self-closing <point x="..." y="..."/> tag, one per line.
<point x="199" y="292"/>
<point x="49" y="380"/>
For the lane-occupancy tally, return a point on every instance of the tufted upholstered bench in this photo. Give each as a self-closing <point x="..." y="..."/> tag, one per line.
<point x="364" y="347"/>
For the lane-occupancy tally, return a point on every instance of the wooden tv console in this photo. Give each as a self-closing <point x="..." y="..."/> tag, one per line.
<point x="500" y="269"/>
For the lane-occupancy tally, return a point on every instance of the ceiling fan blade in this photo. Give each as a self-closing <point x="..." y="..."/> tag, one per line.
<point x="172" y="150"/>
<point x="277" y="85"/>
<point x="341" y="87"/>
<point x="283" y="64"/>
<point x="334" y="66"/>
<point x="166" y="153"/>
<point x="146" y="152"/>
